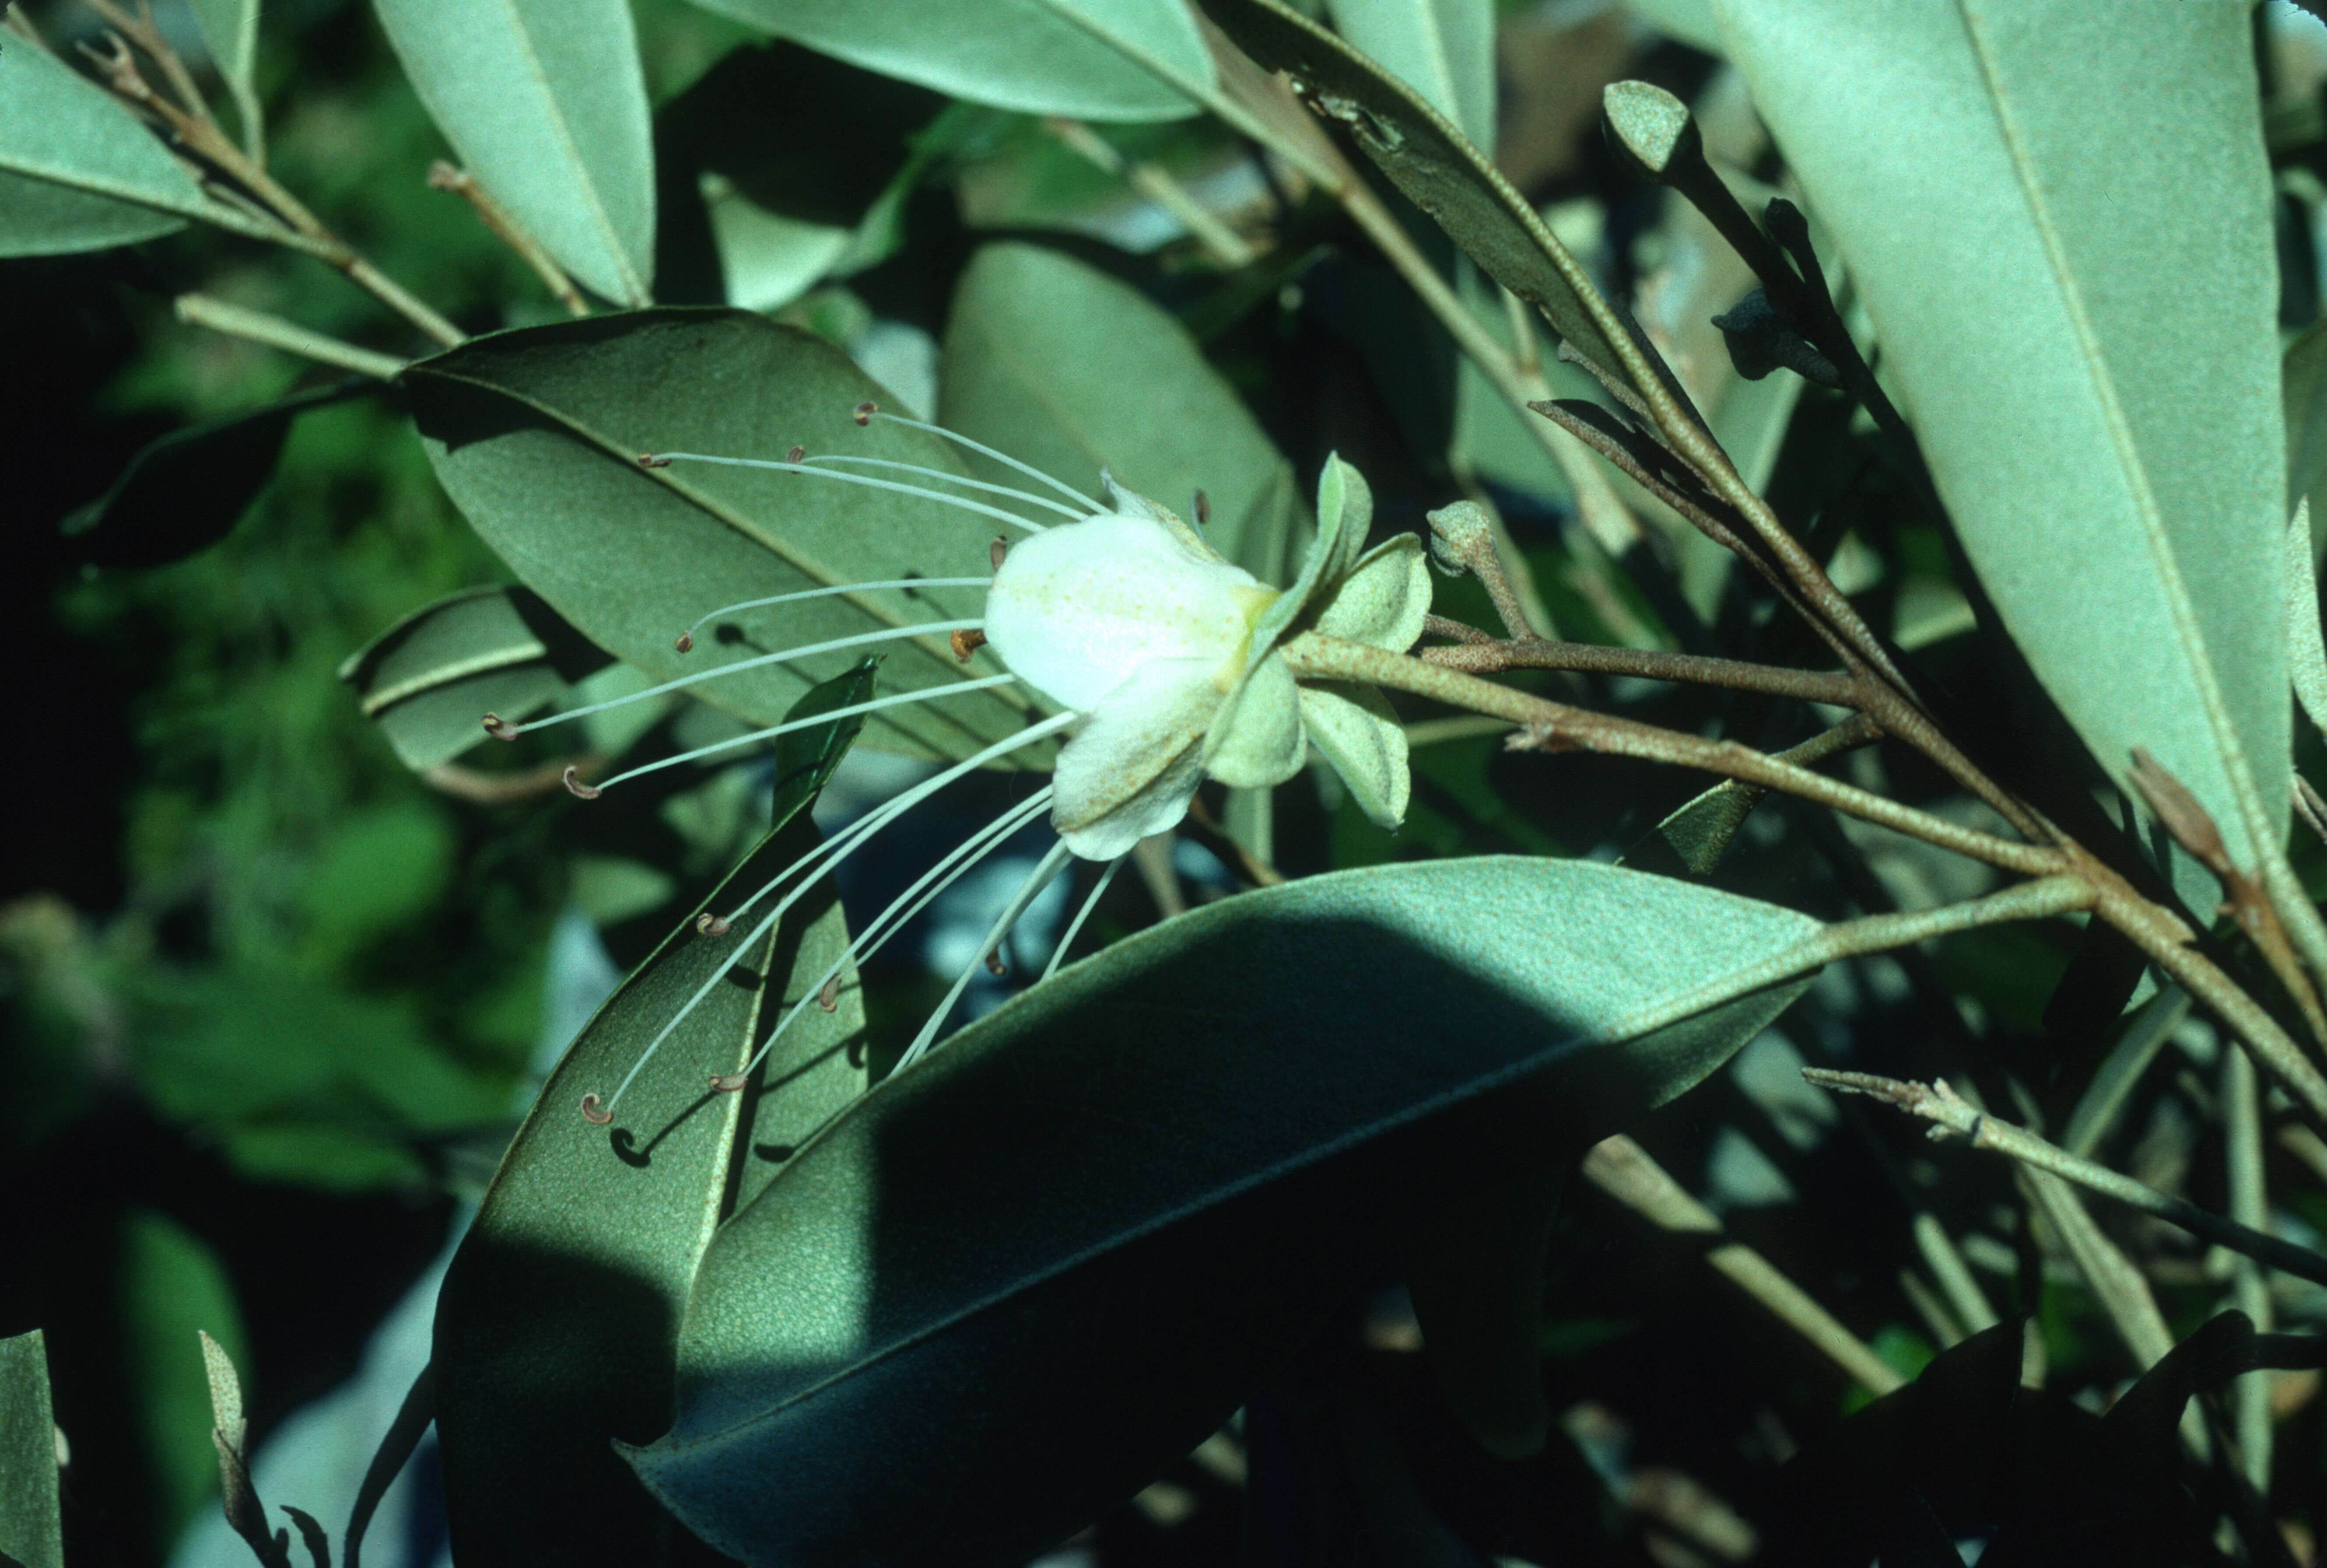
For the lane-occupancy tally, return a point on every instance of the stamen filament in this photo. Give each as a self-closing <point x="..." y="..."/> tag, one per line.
<point x="1028" y="891"/>
<point x="1029" y="497"/>
<point x="1074" y="926"/>
<point x="851" y="711"/>
<point x="845" y="842"/>
<point x="882" y="927"/>
<point x="1003" y="458"/>
<point x="688" y="634"/>
<point x="660" y="458"/>
<point x="509" y="732"/>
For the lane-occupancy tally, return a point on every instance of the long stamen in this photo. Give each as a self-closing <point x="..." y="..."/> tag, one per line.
<point x="851" y="711"/>
<point x="970" y="852"/>
<point x="847" y="842"/>
<point x="1074" y="926"/>
<point x="867" y="411"/>
<point x="687" y="638"/>
<point x="1028" y="891"/>
<point x="1029" y="497"/>
<point x="663" y="458"/>
<point x="503" y="729"/>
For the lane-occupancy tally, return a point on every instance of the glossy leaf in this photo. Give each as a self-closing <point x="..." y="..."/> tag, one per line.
<point x="536" y="435"/>
<point x="31" y="1533"/>
<point x="1096" y="59"/>
<point x="428" y="680"/>
<point x="1038" y="352"/>
<point x="77" y="170"/>
<point x="546" y="102"/>
<point x="1016" y="1280"/>
<point x="2106" y="434"/>
<point x="1431" y="161"/>
<point x="555" y="1327"/>
<point x="187" y="490"/>
<point x="1443" y="50"/>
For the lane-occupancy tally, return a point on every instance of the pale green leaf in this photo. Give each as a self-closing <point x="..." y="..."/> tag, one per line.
<point x="230" y="31"/>
<point x="1096" y="59"/>
<point x="2303" y="378"/>
<point x="555" y="1327"/>
<point x="1010" y="1285"/>
<point x="2071" y="277"/>
<point x="428" y="681"/>
<point x="1443" y="50"/>
<point x="29" y="1531"/>
<point x="536" y="436"/>
<point x="1060" y="366"/>
<point x="77" y="170"/>
<point x="2306" y="649"/>
<point x="546" y="103"/>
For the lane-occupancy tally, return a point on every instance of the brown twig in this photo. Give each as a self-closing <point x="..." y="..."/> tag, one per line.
<point x="505" y="228"/>
<point x="1832" y="688"/>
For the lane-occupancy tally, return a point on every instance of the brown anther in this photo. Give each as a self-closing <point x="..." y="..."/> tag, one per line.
<point x="967" y="641"/>
<point x="728" y="1083"/>
<point x="1204" y="509"/>
<point x="866" y="410"/>
<point x="593" y="1111"/>
<point x="685" y="641"/>
<point x="578" y="790"/>
<point x="829" y="997"/>
<point x="499" y="728"/>
<point x="994" y="965"/>
<point x="649" y="460"/>
<point x="999" y="550"/>
<point x="710" y="925"/>
<point x="798" y="453"/>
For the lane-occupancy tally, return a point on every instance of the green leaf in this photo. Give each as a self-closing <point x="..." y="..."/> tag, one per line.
<point x="2086" y="343"/>
<point x="1016" y="1280"/>
<point x="429" y="681"/>
<point x="2306" y="647"/>
<point x="1476" y="1272"/>
<point x="1060" y="366"/>
<point x="77" y="170"/>
<point x="173" y="1287"/>
<point x="1096" y="59"/>
<point x="2303" y="394"/>
<point x="546" y="102"/>
<point x="1439" y="169"/>
<point x="229" y="30"/>
<point x="555" y="1328"/>
<point x="31" y="1532"/>
<point x="536" y="435"/>
<point x="186" y="492"/>
<point x="1443" y="50"/>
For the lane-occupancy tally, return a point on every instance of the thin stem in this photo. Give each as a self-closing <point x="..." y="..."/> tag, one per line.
<point x="658" y="459"/>
<point x="443" y="176"/>
<point x="793" y="598"/>
<point x="1071" y="513"/>
<point x="1028" y="892"/>
<point x="1832" y="688"/>
<point x="1225" y="245"/>
<point x="259" y="327"/>
<point x="2250" y="1207"/>
<point x="1075" y="926"/>
<point x="1951" y="1114"/>
<point x="1557" y="725"/>
<point x="1624" y="1169"/>
<point x="895" y="699"/>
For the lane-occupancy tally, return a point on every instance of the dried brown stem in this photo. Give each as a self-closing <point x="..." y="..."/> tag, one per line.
<point x="1830" y="687"/>
<point x="505" y="228"/>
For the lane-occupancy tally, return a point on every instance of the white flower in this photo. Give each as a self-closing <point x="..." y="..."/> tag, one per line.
<point x="1161" y="656"/>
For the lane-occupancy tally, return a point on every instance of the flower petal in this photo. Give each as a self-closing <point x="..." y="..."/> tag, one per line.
<point x="1383" y="601"/>
<point x="1345" y="510"/>
<point x="1352" y="728"/>
<point x="1134" y="764"/>
<point x="1256" y="740"/>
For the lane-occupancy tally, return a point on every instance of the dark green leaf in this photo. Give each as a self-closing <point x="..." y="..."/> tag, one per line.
<point x="1017" y="1279"/>
<point x="535" y="434"/>
<point x="187" y="490"/>
<point x="77" y="170"/>
<point x="429" y="681"/>
<point x="1038" y="353"/>
<point x="30" y="1533"/>
<point x="1434" y="163"/>
<point x="1099" y="59"/>
<point x="546" y="102"/>
<point x="556" y="1328"/>
<point x="174" y="1287"/>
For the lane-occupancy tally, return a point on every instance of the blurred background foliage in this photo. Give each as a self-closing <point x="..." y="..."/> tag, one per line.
<point x="271" y="998"/>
